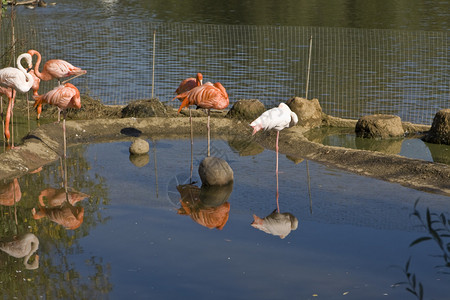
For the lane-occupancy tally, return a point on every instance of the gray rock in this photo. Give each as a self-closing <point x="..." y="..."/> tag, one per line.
<point x="379" y="126"/>
<point x="139" y="146"/>
<point x="215" y="171"/>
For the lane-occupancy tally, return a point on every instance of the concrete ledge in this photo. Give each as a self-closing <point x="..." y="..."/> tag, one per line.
<point x="44" y="145"/>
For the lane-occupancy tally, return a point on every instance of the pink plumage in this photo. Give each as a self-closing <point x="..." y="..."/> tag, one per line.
<point x="5" y="91"/>
<point x="205" y="96"/>
<point x="63" y="96"/>
<point x="55" y="68"/>
<point x="189" y="83"/>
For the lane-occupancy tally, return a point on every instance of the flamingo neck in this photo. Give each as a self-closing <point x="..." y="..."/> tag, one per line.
<point x="42" y="76"/>
<point x="19" y="64"/>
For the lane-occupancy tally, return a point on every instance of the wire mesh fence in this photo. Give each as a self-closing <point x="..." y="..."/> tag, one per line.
<point x="353" y="71"/>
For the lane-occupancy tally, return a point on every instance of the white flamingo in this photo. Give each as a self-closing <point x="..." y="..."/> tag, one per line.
<point x="276" y="118"/>
<point x="23" y="246"/>
<point x="17" y="79"/>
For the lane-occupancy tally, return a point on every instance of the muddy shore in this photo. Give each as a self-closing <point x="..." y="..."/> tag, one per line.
<point x="45" y="145"/>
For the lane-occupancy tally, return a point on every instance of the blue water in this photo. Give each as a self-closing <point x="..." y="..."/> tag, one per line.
<point x="352" y="238"/>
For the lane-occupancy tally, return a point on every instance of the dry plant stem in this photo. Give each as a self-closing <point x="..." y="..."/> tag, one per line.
<point x="209" y="134"/>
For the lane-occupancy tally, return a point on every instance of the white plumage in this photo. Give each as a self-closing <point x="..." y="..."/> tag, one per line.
<point x="276" y="118"/>
<point x="17" y="78"/>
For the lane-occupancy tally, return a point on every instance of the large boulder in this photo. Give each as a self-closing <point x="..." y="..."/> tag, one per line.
<point x="309" y="112"/>
<point x="246" y="110"/>
<point x="379" y="126"/>
<point x="215" y="171"/>
<point x="440" y="129"/>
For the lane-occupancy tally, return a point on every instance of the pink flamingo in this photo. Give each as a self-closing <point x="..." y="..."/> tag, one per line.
<point x="55" y="68"/>
<point x="189" y="83"/>
<point x="64" y="97"/>
<point x="16" y="79"/>
<point x="276" y="118"/>
<point x="205" y="96"/>
<point x="35" y="89"/>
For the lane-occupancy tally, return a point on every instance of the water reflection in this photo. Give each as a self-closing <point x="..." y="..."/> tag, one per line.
<point x="10" y="192"/>
<point x="60" y="207"/>
<point x="23" y="246"/>
<point x="207" y="205"/>
<point x="411" y="147"/>
<point x="279" y="224"/>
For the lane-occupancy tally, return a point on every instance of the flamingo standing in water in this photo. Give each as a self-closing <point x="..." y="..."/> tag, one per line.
<point x="187" y="85"/>
<point x="64" y="97"/>
<point x="16" y="79"/>
<point x="276" y="118"/>
<point x="205" y="96"/>
<point x="55" y="68"/>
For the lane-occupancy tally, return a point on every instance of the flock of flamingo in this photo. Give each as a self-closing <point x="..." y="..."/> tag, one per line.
<point x="191" y="91"/>
<point x="63" y="96"/>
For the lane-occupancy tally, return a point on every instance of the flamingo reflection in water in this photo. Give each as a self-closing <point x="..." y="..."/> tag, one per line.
<point x="207" y="206"/>
<point x="22" y="247"/>
<point x="60" y="207"/>
<point x="278" y="224"/>
<point x="10" y="192"/>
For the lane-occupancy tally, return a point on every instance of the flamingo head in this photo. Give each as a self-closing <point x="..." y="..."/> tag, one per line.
<point x="257" y="126"/>
<point x="200" y="78"/>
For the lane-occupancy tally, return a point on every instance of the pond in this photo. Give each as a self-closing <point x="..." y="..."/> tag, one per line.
<point x="133" y="238"/>
<point x="412" y="146"/>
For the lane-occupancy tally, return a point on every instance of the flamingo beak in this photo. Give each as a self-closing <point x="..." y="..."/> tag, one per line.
<point x="29" y="69"/>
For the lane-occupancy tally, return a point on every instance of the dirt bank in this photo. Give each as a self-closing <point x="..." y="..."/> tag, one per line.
<point x="44" y="145"/>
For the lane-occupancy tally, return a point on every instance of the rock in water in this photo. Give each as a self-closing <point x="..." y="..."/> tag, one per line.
<point x="440" y="129"/>
<point x="379" y="126"/>
<point x="139" y="146"/>
<point x="215" y="171"/>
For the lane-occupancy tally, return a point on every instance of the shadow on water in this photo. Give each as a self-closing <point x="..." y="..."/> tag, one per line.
<point x="118" y="231"/>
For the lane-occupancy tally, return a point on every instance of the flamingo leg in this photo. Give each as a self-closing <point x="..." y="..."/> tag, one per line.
<point x="8" y="119"/>
<point x="28" y="113"/>
<point x="1" y="112"/>
<point x="12" y="122"/>
<point x="64" y="136"/>
<point x="209" y="133"/>
<point x="192" y="145"/>
<point x="276" y="169"/>
<point x="65" y="156"/>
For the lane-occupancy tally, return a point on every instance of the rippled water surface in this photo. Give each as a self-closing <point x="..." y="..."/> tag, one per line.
<point x="136" y="239"/>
